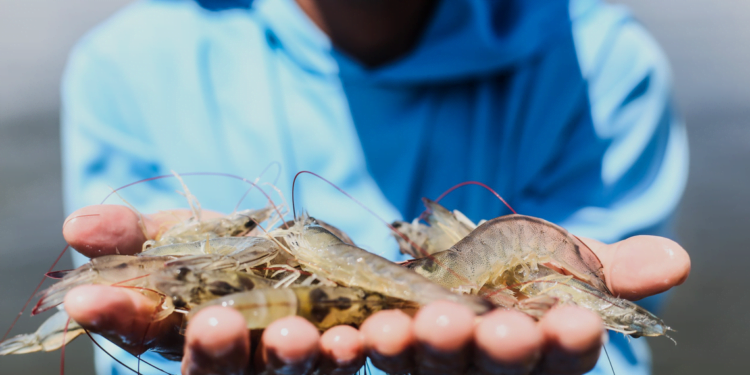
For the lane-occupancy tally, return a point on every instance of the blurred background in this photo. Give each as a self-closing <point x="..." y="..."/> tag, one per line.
<point x="706" y="41"/>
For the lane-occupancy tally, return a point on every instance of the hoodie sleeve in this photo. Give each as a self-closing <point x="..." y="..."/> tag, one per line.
<point x="644" y="166"/>
<point x="105" y="142"/>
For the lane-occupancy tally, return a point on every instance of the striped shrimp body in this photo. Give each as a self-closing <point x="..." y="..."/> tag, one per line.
<point x="188" y="287"/>
<point x="325" y="255"/>
<point x="324" y="306"/>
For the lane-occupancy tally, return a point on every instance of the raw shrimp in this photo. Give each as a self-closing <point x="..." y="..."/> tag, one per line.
<point x="324" y="306"/>
<point x="127" y="270"/>
<point x="541" y="288"/>
<point x="176" y="287"/>
<point x="520" y="280"/>
<point x="133" y="272"/>
<point x="219" y="253"/>
<point x="324" y="254"/>
<point x="445" y="229"/>
<point x="502" y="244"/>
<point x="51" y="335"/>
<point x="123" y="270"/>
<point x="194" y="229"/>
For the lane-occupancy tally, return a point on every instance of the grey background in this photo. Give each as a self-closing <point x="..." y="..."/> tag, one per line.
<point x="707" y="42"/>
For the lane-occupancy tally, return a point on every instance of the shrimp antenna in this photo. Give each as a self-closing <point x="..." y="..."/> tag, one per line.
<point x="403" y="236"/>
<point x="142" y="223"/>
<point x="117" y="360"/>
<point x="608" y="359"/>
<point x="228" y="175"/>
<point x="479" y="184"/>
<point x="192" y="200"/>
<point x="257" y="179"/>
<point x="358" y="203"/>
<point x="62" y="349"/>
<point x="25" y="305"/>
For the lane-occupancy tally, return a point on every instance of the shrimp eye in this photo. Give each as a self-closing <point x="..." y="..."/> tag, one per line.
<point x="181" y="274"/>
<point x="221" y="288"/>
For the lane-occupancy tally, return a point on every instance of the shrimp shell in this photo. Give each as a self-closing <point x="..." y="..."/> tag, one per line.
<point x="189" y="287"/>
<point x="503" y="243"/>
<point x="617" y="314"/>
<point x="123" y="270"/>
<point x="232" y="225"/>
<point x="322" y="253"/>
<point x="324" y="306"/>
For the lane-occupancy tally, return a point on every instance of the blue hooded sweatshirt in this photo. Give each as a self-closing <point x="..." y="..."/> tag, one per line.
<point x="563" y="107"/>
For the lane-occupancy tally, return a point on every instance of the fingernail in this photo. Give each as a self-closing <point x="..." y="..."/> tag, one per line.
<point x="202" y="360"/>
<point x="284" y="366"/>
<point x="291" y="346"/>
<point x="388" y="338"/>
<point x="556" y="361"/>
<point x="217" y="340"/>
<point x="342" y="345"/>
<point x="432" y="361"/>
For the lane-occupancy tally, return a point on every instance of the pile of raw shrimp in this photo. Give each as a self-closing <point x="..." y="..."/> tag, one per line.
<point x="268" y="268"/>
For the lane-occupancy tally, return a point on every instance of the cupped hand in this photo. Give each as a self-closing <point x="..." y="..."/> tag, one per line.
<point x="442" y="338"/>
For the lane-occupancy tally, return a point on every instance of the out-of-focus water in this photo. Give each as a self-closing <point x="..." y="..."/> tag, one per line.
<point x="706" y="42"/>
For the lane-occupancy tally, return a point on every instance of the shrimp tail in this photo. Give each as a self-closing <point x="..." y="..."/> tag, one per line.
<point x="50" y="336"/>
<point x="55" y="294"/>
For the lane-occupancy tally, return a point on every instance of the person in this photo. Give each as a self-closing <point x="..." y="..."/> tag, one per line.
<point x="564" y="107"/>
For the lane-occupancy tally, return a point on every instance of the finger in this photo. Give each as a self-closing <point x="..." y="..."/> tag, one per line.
<point x="289" y="346"/>
<point x="216" y="342"/>
<point x="641" y="266"/>
<point x="388" y="338"/>
<point x="124" y="317"/>
<point x="342" y="352"/>
<point x="444" y="332"/>
<point x="104" y="230"/>
<point x="507" y="342"/>
<point x="572" y="340"/>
